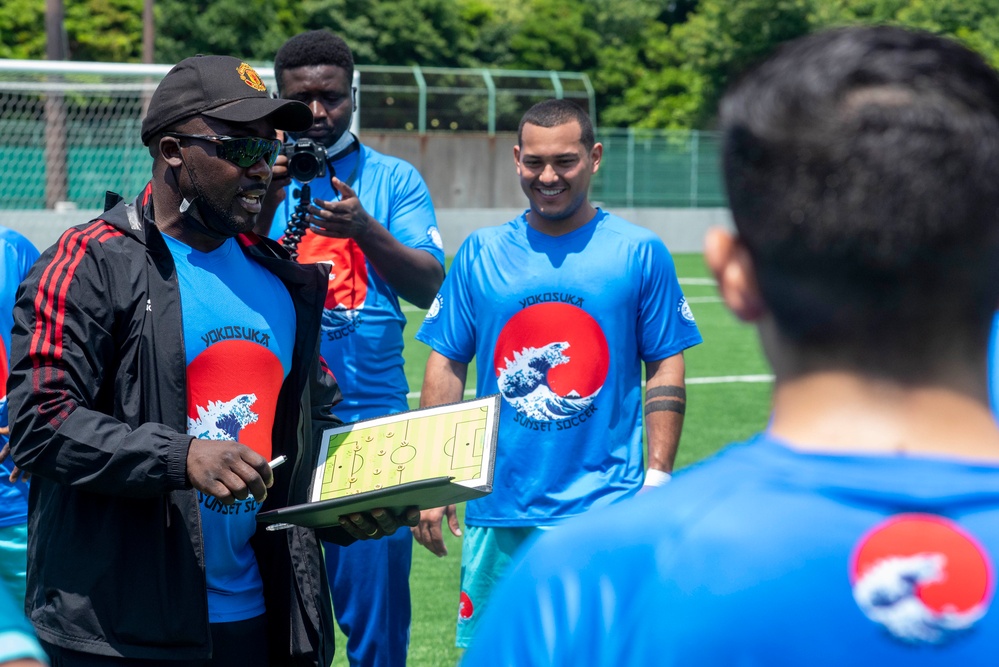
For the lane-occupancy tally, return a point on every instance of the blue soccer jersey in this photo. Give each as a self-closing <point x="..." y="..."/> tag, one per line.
<point x="765" y="555"/>
<point x="560" y="327"/>
<point x="239" y="331"/>
<point x="17" y="254"/>
<point x="363" y="322"/>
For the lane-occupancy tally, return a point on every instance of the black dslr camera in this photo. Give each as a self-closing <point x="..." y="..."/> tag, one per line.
<point x="306" y="159"/>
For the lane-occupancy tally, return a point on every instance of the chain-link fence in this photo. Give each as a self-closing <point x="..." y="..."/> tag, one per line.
<point x="661" y="168"/>
<point x="65" y="137"/>
<point x="431" y="99"/>
<point x="70" y="131"/>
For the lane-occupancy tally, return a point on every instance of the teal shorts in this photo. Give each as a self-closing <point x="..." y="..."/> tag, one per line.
<point x="14" y="560"/>
<point x="486" y="554"/>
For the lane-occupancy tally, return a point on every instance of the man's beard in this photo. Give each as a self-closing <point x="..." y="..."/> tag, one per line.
<point x="216" y="219"/>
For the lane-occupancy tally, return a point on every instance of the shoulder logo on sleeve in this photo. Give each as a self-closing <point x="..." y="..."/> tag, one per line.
<point x="683" y="308"/>
<point x="922" y="577"/>
<point x="465" y="607"/>
<point x="435" y="308"/>
<point x="435" y="237"/>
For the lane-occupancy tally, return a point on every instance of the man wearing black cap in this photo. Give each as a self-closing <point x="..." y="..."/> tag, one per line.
<point x="162" y="355"/>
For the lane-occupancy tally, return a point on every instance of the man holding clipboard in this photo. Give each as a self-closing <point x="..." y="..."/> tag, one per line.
<point x="162" y="355"/>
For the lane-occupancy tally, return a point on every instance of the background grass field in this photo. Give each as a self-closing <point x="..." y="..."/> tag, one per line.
<point x="725" y="402"/>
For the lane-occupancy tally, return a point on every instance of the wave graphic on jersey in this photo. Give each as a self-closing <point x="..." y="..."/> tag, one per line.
<point x="524" y="383"/>
<point x="232" y="394"/>
<point x="223" y="420"/>
<point x="922" y="578"/>
<point x="551" y="361"/>
<point x="348" y="282"/>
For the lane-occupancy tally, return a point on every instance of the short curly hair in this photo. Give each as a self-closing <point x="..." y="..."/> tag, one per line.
<point x="313" y="48"/>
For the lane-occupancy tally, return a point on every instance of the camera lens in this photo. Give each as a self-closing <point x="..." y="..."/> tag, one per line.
<point x="303" y="167"/>
<point x="306" y="160"/>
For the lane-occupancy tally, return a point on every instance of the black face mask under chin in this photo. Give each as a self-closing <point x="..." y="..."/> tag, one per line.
<point x="193" y="219"/>
<point x="193" y="215"/>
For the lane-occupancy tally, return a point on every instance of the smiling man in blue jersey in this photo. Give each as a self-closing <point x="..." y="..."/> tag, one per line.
<point x="862" y="527"/>
<point x="163" y="354"/>
<point x="372" y="222"/>
<point x="561" y="308"/>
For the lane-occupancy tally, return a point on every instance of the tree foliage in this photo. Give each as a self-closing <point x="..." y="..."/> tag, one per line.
<point x="653" y="63"/>
<point x="22" y="29"/>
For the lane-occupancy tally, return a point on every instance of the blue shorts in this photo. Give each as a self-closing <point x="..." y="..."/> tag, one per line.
<point x="486" y="554"/>
<point x="14" y="560"/>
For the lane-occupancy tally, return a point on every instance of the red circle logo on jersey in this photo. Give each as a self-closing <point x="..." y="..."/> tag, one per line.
<point x="922" y="577"/>
<point x="348" y="285"/>
<point x="551" y="360"/>
<point x="233" y="387"/>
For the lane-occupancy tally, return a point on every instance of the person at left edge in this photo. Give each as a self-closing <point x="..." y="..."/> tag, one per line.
<point x="373" y="222"/>
<point x="18" y="254"/>
<point x="162" y="354"/>
<point x="18" y="647"/>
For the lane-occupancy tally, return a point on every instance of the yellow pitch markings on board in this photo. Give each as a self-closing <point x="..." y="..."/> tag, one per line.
<point x="375" y="457"/>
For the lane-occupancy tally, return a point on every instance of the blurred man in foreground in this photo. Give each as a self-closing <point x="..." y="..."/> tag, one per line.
<point x="863" y="525"/>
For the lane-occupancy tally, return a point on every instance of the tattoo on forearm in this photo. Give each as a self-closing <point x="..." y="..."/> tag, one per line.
<point x="670" y="398"/>
<point x="660" y="406"/>
<point x="669" y="391"/>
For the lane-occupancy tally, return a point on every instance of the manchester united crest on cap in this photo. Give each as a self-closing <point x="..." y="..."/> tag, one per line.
<point x="922" y="577"/>
<point x="250" y="77"/>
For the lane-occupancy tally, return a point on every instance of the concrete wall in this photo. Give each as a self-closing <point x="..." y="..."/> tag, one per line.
<point x="682" y="229"/>
<point x="462" y="170"/>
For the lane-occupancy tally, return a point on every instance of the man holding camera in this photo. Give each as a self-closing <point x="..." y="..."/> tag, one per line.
<point x="371" y="219"/>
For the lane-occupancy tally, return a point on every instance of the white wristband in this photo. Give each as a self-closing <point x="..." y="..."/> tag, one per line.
<point x="655" y="477"/>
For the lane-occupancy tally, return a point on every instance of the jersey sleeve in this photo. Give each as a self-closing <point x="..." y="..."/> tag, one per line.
<point x="24" y="252"/>
<point x="17" y="255"/>
<point x="411" y="218"/>
<point x="449" y="327"/>
<point x="666" y="324"/>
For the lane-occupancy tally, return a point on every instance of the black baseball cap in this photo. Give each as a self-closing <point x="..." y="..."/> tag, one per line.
<point x="221" y="87"/>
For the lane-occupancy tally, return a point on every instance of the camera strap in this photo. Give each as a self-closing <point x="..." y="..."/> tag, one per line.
<point x="354" y="146"/>
<point x="344" y="146"/>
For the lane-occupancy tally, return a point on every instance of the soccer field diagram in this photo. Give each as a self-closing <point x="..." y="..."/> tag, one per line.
<point x="385" y="452"/>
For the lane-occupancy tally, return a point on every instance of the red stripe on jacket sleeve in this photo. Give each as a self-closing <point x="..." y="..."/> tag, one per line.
<point x="50" y="300"/>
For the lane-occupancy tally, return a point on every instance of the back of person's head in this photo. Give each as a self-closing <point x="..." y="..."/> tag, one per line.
<point x="862" y="166"/>
<point x="552" y="113"/>
<point x="312" y="49"/>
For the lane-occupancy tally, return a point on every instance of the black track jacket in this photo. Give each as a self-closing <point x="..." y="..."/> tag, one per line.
<point x="98" y="398"/>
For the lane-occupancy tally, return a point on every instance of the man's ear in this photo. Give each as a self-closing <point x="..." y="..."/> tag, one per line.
<point x="596" y="155"/>
<point x="170" y="150"/>
<point x="729" y="260"/>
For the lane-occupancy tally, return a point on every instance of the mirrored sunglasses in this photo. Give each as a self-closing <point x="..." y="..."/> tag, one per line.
<point x="241" y="151"/>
